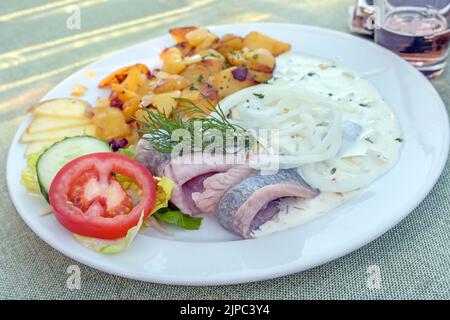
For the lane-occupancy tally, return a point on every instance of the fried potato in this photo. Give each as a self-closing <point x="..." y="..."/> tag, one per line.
<point x="133" y="80"/>
<point x="78" y="90"/>
<point x="202" y="71"/>
<point x="231" y="80"/>
<point x="261" y="77"/>
<point x="179" y="34"/>
<point x="208" y="92"/>
<point x="122" y="93"/>
<point x="211" y="54"/>
<point x="236" y="58"/>
<point x="130" y="107"/>
<point x="165" y="104"/>
<point x="260" y="60"/>
<point x="141" y="115"/>
<point x="171" y="83"/>
<point x="190" y="93"/>
<point x="121" y="74"/>
<point x="228" y="43"/>
<point x="185" y="48"/>
<point x="203" y="96"/>
<point x="201" y="39"/>
<point x="110" y="123"/>
<point x="255" y="40"/>
<point x="173" y="60"/>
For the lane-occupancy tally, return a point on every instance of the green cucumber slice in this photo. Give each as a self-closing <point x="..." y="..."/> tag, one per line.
<point x="62" y="152"/>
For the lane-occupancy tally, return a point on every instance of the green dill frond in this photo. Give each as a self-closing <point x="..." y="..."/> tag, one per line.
<point x="159" y="128"/>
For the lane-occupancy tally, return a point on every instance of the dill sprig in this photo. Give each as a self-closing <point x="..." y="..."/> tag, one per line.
<point x="159" y="128"/>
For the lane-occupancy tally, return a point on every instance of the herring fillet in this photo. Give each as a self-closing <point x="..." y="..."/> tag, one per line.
<point x="200" y="179"/>
<point x="155" y="161"/>
<point x="217" y="185"/>
<point x="256" y="200"/>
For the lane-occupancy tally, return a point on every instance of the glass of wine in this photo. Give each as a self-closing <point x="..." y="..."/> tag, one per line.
<point x="417" y="30"/>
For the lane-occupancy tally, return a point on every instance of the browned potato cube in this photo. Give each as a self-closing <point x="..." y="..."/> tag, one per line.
<point x="260" y="60"/>
<point x="141" y="115"/>
<point x="202" y="71"/>
<point x="261" y="77"/>
<point x="231" y="80"/>
<point x="167" y="52"/>
<point x="172" y="60"/>
<point x="236" y="58"/>
<point x="179" y="34"/>
<point x="201" y="39"/>
<point x="185" y="48"/>
<point x="202" y="95"/>
<point x="171" y="83"/>
<point x="256" y="40"/>
<point x="208" y="92"/>
<point x="211" y="54"/>
<point x="120" y="75"/>
<point x="164" y="104"/>
<point x="228" y="43"/>
<point x="190" y="93"/>
<point x="110" y="123"/>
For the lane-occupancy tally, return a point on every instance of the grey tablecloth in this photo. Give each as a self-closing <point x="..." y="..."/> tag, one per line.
<point x="37" y="50"/>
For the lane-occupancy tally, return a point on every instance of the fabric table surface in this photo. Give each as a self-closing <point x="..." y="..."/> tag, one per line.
<point x="38" y="50"/>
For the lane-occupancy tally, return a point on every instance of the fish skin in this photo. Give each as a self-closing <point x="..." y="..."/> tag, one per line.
<point x="154" y="160"/>
<point x="217" y="185"/>
<point x="185" y="170"/>
<point x="240" y="205"/>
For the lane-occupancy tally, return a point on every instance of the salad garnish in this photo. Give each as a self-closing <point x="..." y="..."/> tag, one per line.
<point x="159" y="128"/>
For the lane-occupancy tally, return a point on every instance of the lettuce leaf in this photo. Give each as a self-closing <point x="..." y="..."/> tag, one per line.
<point x="162" y="212"/>
<point x="111" y="246"/>
<point x="164" y="187"/>
<point x="171" y="216"/>
<point x="178" y="218"/>
<point x="129" y="152"/>
<point x="163" y="194"/>
<point x="127" y="183"/>
<point x="29" y="176"/>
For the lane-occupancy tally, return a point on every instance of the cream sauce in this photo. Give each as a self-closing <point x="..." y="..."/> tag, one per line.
<point x="369" y="151"/>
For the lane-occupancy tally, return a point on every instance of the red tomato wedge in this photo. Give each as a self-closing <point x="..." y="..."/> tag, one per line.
<point x="88" y="201"/>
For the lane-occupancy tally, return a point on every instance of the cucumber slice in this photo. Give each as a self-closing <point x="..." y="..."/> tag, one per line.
<point x="62" y="152"/>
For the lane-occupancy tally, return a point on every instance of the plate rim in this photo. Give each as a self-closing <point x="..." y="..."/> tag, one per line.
<point x="265" y="273"/>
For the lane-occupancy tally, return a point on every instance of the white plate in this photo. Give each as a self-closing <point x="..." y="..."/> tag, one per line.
<point x="212" y="256"/>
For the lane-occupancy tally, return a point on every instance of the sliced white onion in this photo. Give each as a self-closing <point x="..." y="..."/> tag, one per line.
<point x="279" y="107"/>
<point x="295" y="111"/>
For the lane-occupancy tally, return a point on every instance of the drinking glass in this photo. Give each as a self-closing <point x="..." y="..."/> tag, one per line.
<point x="417" y="30"/>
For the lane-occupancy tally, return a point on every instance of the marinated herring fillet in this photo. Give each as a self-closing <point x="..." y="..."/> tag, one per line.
<point x="200" y="179"/>
<point x="257" y="199"/>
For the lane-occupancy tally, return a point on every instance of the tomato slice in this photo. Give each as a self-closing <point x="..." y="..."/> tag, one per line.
<point x="88" y="201"/>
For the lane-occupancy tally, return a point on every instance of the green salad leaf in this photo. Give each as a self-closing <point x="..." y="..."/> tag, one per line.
<point x="29" y="175"/>
<point x="177" y="218"/>
<point x="129" y="152"/>
<point x="111" y="246"/>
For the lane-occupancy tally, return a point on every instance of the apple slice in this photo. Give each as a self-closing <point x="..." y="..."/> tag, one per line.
<point x="36" y="146"/>
<point x="44" y="123"/>
<point x="63" y="108"/>
<point x="88" y="130"/>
